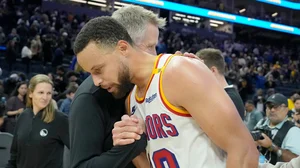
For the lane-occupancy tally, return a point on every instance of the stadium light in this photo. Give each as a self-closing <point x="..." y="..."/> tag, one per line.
<point x="212" y="14"/>
<point x="242" y="10"/>
<point x="217" y="22"/>
<point x="214" y="25"/>
<point x="282" y="3"/>
<point x="274" y="14"/>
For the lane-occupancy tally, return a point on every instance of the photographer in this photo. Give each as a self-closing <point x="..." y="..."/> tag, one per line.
<point x="282" y="141"/>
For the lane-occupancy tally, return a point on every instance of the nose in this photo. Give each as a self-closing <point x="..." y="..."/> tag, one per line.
<point x="44" y="96"/>
<point x="97" y="80"/>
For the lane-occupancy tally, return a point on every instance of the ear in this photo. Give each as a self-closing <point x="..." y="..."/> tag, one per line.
<point x="30" y="95"/>
<point x="123" y="47"/>
<point x="214" y="69"/>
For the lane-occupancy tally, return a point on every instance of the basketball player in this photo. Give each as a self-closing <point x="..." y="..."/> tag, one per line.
<point x="94" y="110"/>
<point x="190" y="120"/>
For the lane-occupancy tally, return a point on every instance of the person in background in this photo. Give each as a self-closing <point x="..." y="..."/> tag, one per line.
<point x="214" y="60"/>
<point x="11" y="53"/>
<point x="65" y="106"/>
<point x="296" y="112"/>
<point x="15" y="105"/>
<point x="281" y="144"/>
<point x="26" y="55"/>
<point x="294" y="163"/>
<point x="291" y="100"/>
<point x="253" y="116"/>
<point x="41" y="132"/>
<point x="2" y="118"/>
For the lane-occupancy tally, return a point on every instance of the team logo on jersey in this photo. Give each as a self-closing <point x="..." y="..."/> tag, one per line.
<point x="151" y="98"/>
<point x="44" y="132"/>
<point x="133" y="109"/>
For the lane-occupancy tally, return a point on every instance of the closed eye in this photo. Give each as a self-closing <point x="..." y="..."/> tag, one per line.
<point x="97" y="71"/>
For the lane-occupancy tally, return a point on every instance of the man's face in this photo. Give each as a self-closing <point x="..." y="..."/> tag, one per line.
<point x="297" y="106"/>
<point x="276" y="113"/>
<point x="150" y="39"/>
<point x="108" y="68"/>
<point x="249" y="107"/>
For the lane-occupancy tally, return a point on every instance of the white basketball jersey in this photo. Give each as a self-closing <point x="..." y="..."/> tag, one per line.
<point x="174" y="138"/>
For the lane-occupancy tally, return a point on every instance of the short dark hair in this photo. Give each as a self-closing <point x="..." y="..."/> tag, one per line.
<point x="72" y="89"/>
<point x="212" y="57"/>
<point x="103" y="30"/>
<point x="250" y="102"/>
<point x="296" y="99"/>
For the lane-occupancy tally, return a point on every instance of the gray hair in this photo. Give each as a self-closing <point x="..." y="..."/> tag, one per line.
<point x="135" y="19"/>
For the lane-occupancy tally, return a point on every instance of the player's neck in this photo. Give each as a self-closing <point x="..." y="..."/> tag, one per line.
<point x="142" y="70"/>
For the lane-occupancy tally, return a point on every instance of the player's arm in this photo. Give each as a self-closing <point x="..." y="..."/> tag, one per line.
<point x="190" y="85"/>
<point x="131" y="123"/>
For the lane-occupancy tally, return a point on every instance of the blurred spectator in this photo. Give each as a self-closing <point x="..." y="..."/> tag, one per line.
<point x="65" y="106"/>
<point x="2" y="36"/>
<point x="36" y="48"/>
<point x="296" y="111"/>
<point x="58" y="55"/>
<point x="252" y="115"/>
<point x="270" y="84"/>
<point x="259" y="100"/>
<point x="15" y="105"/>
<point x="14" y="35"/>
<point x="292" y="99"/>
<point x="11" y="53"/>
<point x="26" y="55"/>
<point x="10" y="83"/>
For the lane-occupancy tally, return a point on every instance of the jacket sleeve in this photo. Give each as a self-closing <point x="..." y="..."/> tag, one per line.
<point x="87" y="135"/>
<point x="64" y="130"/>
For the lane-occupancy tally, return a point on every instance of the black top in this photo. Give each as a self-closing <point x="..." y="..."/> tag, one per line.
<point x="37" y="144"/>
<point x="93" y="113"/>
<point x="237" y="100"/>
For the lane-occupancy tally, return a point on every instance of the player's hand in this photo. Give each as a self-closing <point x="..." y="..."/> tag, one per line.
<point x="127" y="130"/>
<point x="190" y="55"/>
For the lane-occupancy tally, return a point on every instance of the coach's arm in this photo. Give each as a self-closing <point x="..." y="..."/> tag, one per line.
<point x="190" y="85"/>
<point x="87" y="136"/>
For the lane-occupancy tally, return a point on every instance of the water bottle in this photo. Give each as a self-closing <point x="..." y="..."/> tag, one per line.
<point x="262" y="159"/>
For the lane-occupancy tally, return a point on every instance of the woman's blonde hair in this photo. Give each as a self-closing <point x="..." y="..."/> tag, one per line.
<point x="49" y="110"/>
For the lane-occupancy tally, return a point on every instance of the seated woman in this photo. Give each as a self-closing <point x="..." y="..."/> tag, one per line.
<point x="41" y="132"/>
<point x="15" y="105"/>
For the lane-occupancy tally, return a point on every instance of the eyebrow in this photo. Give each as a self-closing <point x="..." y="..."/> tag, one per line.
<point x="96" y="67"/>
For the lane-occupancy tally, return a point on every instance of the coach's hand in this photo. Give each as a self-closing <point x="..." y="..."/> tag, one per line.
<point x="190" y="55"/>
<point x="127" y="130"/>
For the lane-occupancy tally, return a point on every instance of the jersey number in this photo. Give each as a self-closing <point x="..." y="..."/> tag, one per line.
<point x="164" y="156"/>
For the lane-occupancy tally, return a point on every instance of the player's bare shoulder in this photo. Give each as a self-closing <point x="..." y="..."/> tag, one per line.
<point x="180" y="65"/>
